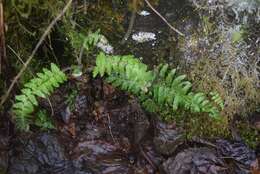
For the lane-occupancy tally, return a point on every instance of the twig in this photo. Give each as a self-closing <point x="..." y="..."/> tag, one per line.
<point x="45" y="34"/>
<point x="21" y="60"/>
<point x="226" y="72"/>
<point x="155" y="11"/>
<point x="109" y="127"/>
<point x="79" y="58"/>
<point x="16" y="54"/>
<point x="148" y="158"/>
<point x="52" y="111"/>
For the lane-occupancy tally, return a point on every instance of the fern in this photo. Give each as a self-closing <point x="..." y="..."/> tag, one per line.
<point x="125" y="72"/>
<point x="43" y="121"/>
<point x="78" y="40"/>
<point x="216" y="98"/>
<point x="41" y="86"/>
<point x="157" y="89"/>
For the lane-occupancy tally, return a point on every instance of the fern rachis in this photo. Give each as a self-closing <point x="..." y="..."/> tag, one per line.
<point x="161" y="87"/>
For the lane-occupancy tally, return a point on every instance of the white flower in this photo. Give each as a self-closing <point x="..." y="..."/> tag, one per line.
<point x="105" y="46"/>
<point x="144" y="13"/>
<point x="142" y="37"/>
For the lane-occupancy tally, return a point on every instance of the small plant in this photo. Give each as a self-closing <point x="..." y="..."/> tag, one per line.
<point x="41" y="86"/>
<point x="78" y="40"/>
<point x="215" y="97"/>
<point x="70" y="99"/>
<point x="43" y="121"/>
<point x="157" y="89"/>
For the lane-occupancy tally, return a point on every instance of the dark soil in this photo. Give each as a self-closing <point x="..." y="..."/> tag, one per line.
<point x="107" y="131"/>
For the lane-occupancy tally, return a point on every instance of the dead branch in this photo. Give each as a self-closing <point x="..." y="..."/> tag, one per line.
<point x="156" y="12"/>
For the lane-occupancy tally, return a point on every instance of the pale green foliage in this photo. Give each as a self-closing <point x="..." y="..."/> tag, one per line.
<point x="156" y="89"/>
<point x="215" y="97"/>
<point x="124" y="71"/>
<point x="43" y="121"/>
<point x="70" y="99"/>
<point x="78" y="40"/>
<point x="41" y="86"/>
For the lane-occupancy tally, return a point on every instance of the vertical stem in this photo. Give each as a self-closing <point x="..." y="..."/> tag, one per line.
<point x="131" y="24"/>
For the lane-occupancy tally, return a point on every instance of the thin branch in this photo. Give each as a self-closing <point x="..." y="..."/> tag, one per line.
<point x="21" y="60"/>
<point x="79" y="58"/>
<point x="155" y="11"/>
<point x="109" y="127"/>
<point x="52" y="111"/>
<point x="16" y="54"/>
<point x="45" y="34"/>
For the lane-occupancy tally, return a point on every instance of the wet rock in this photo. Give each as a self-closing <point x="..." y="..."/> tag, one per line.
<point x="140" y="121"/>
<point x="148" y="36"/>
<point x="40" y="154"/>
<point x="109" y="142"/>
<point x="130" y="121"/>
<point x="150" y="154"/>
<point x="81" y="105"/>
<point x="167" y="138"/>
<point x="242" y="155"/>
<point x="195" y="161"/>
<point x="102" y="157"/>
<point x="65" y="115"/>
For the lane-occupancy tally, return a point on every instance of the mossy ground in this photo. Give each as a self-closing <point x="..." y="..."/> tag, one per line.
<point x="219" y="71"/>
<point x="238" y="89"/>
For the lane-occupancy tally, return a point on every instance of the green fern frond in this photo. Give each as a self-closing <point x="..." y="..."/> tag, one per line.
<point x="124" y="72"/>
<point x="41" y="86"/>
<point x="43" y="121"/>
<point x="160" y="88"/>
<point x="89" y="40"/>
<point x="216" y="98"/>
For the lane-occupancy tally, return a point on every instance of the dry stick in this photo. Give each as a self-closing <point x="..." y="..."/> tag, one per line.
<point x="155" y="11"/>
<point x="16" y="54"/>
<point x="21" y="60"/>
<point x="45" y="34"/>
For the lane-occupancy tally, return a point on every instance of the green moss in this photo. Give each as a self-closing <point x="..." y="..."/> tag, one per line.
<point x="237" y="36"/>
<point x="239" y="93"/>
<point x="248" y="133"/>
<point x="208" y="25"/>
<point x="197" y="125"/>
<point x="203" y="127"/>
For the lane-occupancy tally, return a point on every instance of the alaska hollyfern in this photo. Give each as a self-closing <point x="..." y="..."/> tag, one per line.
<point x="157" y="89"/>
<point x="41" y="86"/>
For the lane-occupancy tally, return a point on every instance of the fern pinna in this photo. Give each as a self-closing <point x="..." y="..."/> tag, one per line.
<point x="159" y="88"/>
<point x="41" y="86"/>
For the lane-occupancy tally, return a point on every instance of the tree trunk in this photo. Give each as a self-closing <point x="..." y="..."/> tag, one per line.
<point x="2" y="37"/>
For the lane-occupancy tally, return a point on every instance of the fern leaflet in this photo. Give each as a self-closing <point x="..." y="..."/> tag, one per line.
<point x="41" y="86"/>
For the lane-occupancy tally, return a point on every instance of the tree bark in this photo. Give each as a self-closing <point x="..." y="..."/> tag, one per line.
<point x="2" y="38"/>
